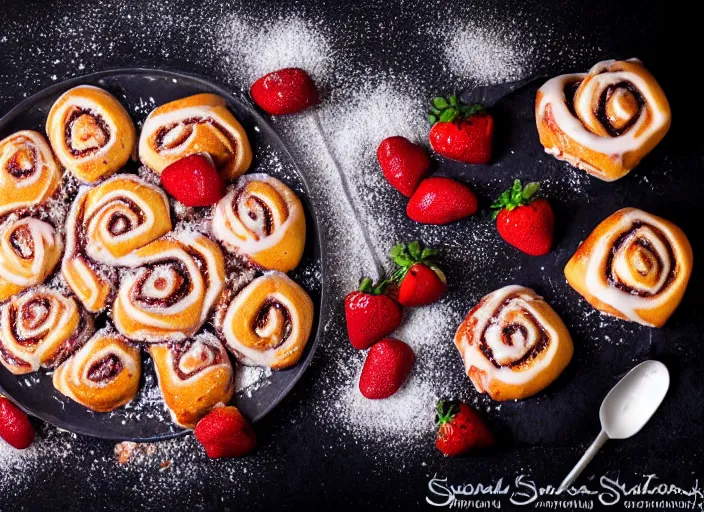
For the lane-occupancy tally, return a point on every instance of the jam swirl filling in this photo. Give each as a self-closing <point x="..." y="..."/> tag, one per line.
<point x="107" y="369"/>
<point x="85" y="132"/>
<point x="272" y="324"/>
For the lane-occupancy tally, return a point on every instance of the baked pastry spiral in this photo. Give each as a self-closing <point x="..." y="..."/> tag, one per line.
<point x="263" y="220"/>
<point x="103" y="374"/>
<point x="40" y="327"/>
<point x="175" y="282"/>
<point x="91" y="133"/>
<point x="29" y="173"/>
<point x="194" y="376"/>
<point x="634" y="266"/>
<point x="269" y="322"/>
<point x="196" y="124"/>
<point x="29" y="250"/>
<point x="513" y="344"/>
<point x="604" y="121"/>
<point x="106" y="223"/>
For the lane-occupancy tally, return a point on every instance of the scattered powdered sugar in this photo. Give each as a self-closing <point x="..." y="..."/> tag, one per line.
<point x="249" y="379"/>
<point x="257" y="48"/>
<point x="488" y="53"/>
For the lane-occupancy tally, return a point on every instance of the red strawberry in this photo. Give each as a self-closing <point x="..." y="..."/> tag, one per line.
<point x="386" y="368"/>
<point x="460" y="429"/>
<point x="421" y="281"/>
<point x="370" y="315"/>
<point x="524" y="222"/>
<point x="461" y="132"/>
<point x="441" y="201"/>
<point x="403" y="163"/>
<point x="225" y="433"/>
<point x="285" y="91"/>
<point x="193" y="180"/>
<point x="15" y="427"/>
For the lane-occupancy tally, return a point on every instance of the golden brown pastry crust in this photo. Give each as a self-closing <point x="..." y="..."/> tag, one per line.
<point x="617" y="115"/>
<point x="29" y="173"/>
<point x="196" y="124"/>
<point x="91" y="133"/>
<point x="194" y="376"/>
<point x="513" y="344"/>
<point x="103" y="374"/>
<point x="634" y="266"/>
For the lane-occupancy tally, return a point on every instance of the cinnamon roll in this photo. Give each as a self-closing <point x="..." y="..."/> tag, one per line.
<point x="40" y="327"/>
<point x="103" y="374"/>
<point x="604" y="121"/>
<point x="29" y="250"/>
<point x="194" y="376"/>
<point x="196" y="124"/>
<point x="633" y="266"/>
<point x="513" y="344"/>
<point x="29" y="173"/>
<point x="263" y="220"/>
<point x="175" y="282"/>
<point x="106" y="223"/>
<point x="91" y="133"/>
<point x="269" y="322"/>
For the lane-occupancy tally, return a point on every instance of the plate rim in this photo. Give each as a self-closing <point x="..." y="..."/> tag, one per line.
<point x="304" y="363"/>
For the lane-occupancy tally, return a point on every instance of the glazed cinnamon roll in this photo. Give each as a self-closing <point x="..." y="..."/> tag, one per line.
<point x="513" y="344"/>
<point x="91" y="132"/>
<point x="263" y="220"/>
<point x="175" y="282"/>
<point x="194" y="376"/>
<point x="634" y="266"/>
<point x="103" y="374"/>
<point x="40" y="328"/>
<point x="604" y="121"/>
<point x="29" y="173"/>
<point x="29" y="250"/>
<point x="196" y="124"/>
<point x="106" y="223"/>
<point x="269" y="322"/>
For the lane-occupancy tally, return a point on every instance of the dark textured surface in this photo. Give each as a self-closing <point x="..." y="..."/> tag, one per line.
<point x="304" y="462"/>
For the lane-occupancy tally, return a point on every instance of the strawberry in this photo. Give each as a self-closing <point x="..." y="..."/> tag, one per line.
<point x="370" y="314"/>
<point x="15" y="427"/>
<point x="420" y="280"/>
<point x="386" y="368"/>
<point x="441" y="201"/>
<point x="525" y="222"/>
<point x="225" y="433"/>
<point x="285" y="91"/>
<point x="460" y="131"/>
<point x="193" y="180"/>
<point x="460" y="429"/>
<point x="403" y="163"/>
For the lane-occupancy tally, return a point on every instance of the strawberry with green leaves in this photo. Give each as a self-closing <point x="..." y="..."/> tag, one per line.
<point x="523" y="221"/>
<point x="461" y="429"/>
<point x="460" y="131"/>
<point x="419" y="280"/>
<point x="371" y="315"/>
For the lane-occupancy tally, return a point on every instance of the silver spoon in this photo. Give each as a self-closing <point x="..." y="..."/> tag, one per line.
<point x="626" y="409"/>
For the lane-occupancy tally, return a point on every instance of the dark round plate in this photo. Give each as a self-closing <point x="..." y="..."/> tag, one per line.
<point x="146" y="419"/>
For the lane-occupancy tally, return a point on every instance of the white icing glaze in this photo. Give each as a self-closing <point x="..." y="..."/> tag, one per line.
<point x="596" y="278"/>
<point x="45" y="167"/>
<point x="34" y="354"/>
<point x="239" y="231"/>
<point x="491" y="318"/>
<point x="154" y="123"/>
<point x="42" y="236"/>
<point x="57" y="128"/>
<point x="616" y="147"/>
<point x="269" y="357"/>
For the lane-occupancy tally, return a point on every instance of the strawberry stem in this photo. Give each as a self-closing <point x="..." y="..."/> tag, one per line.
<point x="405" y="256"/>
<point x="446" y="411"/>
<point x="514" y="197"/>
<point x="446" y="110"/>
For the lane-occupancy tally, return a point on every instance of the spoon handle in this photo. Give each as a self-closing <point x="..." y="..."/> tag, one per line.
<point x="586" y="458"/>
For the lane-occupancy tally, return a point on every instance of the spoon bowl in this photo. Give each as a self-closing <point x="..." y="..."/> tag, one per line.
<point x="633" y="401"/>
